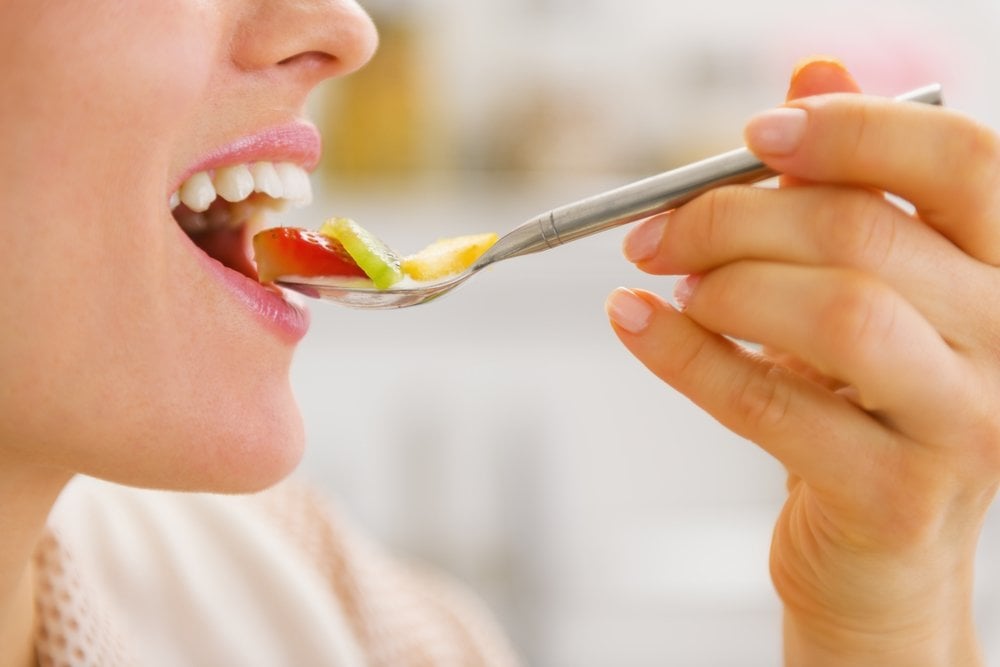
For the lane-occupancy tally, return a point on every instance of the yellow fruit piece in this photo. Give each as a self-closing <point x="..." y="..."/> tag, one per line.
<point x="447" y="256"/>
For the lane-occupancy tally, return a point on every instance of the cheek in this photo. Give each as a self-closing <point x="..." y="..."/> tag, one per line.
<point x="107" y="80"/>
<point x="125" y="399"/>
<point x="105" y="370"/>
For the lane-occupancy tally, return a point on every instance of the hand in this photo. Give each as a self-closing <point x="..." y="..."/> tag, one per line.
<point x="884" y="400"/>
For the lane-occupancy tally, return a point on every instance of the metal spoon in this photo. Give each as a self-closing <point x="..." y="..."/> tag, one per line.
<point x="595" y="214"/>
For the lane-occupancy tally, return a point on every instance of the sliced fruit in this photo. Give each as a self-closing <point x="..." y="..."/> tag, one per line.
<point x="375" y="258"/>
<point x="447" y="256"/>
<point x="290" y="251"/>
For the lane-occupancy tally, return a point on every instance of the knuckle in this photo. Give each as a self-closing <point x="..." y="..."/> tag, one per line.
<point x="859" y="231"/>
<point x="977" y="153"/>
<point x="857" y="319"/>
<point x="724" y="290"/>
<point x="762" y="403"/>
<point x="716" y="208"/>
<point x="980" y="415"/>
<point x="972" y="156"/>
<point x="684" y="361"/>
<point x="864" y="135"/>
<point x="985" y="195"/>
<point x="690" y="357"/>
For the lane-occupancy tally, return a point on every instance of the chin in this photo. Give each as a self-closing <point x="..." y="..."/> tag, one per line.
<point x="241" y="444"/>
<point x="250" y="450"/>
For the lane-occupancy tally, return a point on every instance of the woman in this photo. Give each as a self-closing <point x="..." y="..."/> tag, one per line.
<point x="138" y="350"/>
<point x="131" y="355"/>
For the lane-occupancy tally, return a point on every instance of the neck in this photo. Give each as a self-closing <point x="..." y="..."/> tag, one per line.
<point x="27" y="493"/>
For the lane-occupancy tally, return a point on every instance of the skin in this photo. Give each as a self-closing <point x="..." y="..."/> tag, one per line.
<point x="121" y="356"/>
<point x="877" y="385"/>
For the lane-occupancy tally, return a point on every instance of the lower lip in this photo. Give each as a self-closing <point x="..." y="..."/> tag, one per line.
<point x="288" y="321"/>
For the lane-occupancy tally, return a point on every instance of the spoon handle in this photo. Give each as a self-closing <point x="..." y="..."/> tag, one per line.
<point x="644" y="198"/>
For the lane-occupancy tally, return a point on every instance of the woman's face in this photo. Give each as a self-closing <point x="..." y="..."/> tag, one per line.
<point x="125" y="351"/>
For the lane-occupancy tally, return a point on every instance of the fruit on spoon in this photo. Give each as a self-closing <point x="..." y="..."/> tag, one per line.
<point x="290" y="251"/>
<point x="343" y="249"/>
<point x="376" y="259"/>
<point x="447" y="257"/>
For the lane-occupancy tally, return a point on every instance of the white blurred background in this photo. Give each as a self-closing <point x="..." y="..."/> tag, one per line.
<point x="502" y="433"/>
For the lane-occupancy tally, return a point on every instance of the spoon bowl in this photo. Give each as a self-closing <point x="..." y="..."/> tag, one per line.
<point x="656" y="194"/>
<point x="372" y="298"/>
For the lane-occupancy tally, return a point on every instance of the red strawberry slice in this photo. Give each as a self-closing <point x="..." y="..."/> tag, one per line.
<point x="290" y="251"/>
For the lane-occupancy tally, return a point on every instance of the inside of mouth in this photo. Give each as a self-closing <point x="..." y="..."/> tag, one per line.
<point x="229" y="247"/>
<point x="220" y="234"/>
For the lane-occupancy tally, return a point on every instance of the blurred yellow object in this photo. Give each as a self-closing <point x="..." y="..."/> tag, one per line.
<point x="377" y="121"/>
<point x="447" y="256"/>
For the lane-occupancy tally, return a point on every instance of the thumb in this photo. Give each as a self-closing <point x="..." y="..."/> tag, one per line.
<point x="818" y="75"/>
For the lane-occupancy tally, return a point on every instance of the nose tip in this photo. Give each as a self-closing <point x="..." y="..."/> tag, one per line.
<point x="317" y="39"/>
<point x="355" y="38"/>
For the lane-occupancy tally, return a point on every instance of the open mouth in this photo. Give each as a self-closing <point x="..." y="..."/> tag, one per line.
<point x="218" y="208"/>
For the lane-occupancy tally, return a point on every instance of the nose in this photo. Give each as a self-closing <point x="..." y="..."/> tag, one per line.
<point x="309" y="39"/>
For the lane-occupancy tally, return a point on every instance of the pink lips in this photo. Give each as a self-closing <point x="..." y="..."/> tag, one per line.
<point x="267" y="303"/>
<point x="297" y="142"/>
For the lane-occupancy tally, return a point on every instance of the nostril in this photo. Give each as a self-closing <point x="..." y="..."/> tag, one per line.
<point x="323" y="39"/>
<point x="310" y="59"/>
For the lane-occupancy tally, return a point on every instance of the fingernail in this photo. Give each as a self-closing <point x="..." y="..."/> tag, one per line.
<point x="776" y="132"/>
<point x="822" y="61"/>
<point x="643" y="241"/>
<point x="684" y="289"/>
<point x="628" y="310"/>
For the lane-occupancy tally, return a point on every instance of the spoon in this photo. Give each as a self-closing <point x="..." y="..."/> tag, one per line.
<point x="622" y="205"/>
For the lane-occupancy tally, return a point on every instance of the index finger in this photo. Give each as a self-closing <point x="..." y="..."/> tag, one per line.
<point x="944" y="163"/>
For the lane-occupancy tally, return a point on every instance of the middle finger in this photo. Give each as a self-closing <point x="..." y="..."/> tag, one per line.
<point x="813" y="225"/>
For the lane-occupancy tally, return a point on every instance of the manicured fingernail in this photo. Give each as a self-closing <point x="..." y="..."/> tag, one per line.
<point x="643" y="241"/>
<point x="776" y="132"/>
<point x="684" y="289"/>
<point x="820" y="61"/>
<point x="628" y="310"/>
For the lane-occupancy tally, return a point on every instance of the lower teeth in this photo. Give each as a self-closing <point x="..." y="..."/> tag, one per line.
<point x="223" y="215"/>
<point x="197" y="223"/>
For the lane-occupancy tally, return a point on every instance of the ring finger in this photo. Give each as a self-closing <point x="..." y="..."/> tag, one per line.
<point x="846" y="324"/>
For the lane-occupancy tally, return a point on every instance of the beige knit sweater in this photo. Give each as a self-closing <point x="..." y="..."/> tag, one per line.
<point x="131" y="577"/>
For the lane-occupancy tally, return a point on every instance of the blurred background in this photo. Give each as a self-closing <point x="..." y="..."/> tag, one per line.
<point x="502" y="433"/>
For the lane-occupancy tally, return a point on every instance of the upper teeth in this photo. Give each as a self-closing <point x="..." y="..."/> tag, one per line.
<point x="282" y="180"/>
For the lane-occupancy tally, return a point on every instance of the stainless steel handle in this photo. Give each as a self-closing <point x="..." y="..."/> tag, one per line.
<point x="644" y="198"/>
<point x="650" y="196"/>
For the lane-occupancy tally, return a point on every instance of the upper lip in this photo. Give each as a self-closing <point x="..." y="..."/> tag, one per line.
<point x="298" y="142"/>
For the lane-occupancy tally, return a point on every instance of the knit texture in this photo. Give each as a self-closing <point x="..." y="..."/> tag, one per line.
<point x="128" y="577"/>
<point x="71" y="631"/>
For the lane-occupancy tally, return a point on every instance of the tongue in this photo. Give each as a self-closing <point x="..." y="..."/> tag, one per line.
<point x="229" y="247"/>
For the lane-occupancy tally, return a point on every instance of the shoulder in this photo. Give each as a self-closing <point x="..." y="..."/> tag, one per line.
<point x="285" y="565"/>
<point x="406" y="612"/>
